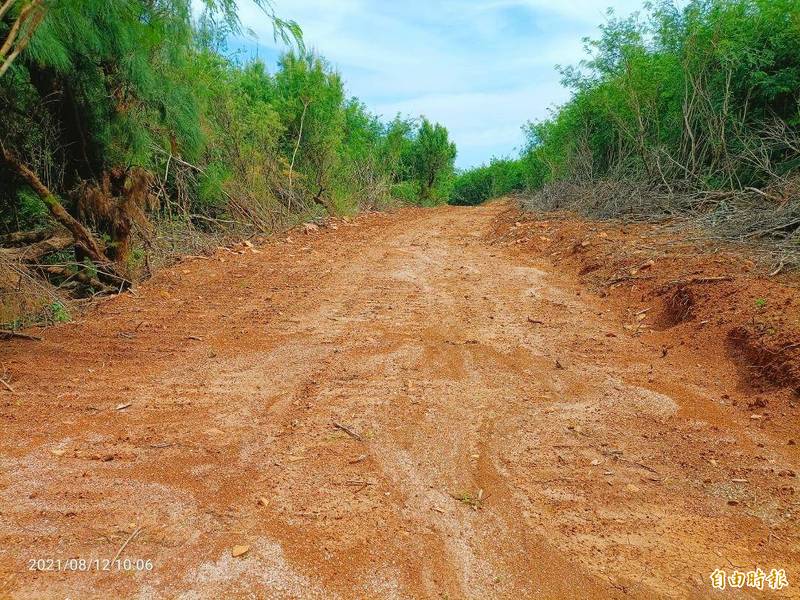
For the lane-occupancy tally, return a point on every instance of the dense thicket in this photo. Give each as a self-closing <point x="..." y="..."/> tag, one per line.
<point x="693" y="109"/>
<point x="501" y="177"/>
<point x="707" y="96"/>
<point x="129" y="114"/>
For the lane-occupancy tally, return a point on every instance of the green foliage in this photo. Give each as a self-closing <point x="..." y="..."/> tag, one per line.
<point x="310" y="102"/>
<point x="27" y="210"/>
<point x="499" y="178"/>
<point x="58" y="313"/>
<point x="431" y="158"/>
<point x="211" y="185"/>
<point x="109" y="85"/>
<point x="707" y="96"/>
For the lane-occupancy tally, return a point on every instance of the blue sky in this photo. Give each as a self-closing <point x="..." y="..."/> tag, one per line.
<point x="480" y="67"/>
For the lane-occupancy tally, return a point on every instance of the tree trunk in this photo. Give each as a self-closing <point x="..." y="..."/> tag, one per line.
<point x="82" y="236"/>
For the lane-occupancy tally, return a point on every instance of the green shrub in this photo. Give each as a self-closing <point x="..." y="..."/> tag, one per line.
<point x="499" y="178"/>
<point x="109" y="85"/>
<point x="704" y="96"/>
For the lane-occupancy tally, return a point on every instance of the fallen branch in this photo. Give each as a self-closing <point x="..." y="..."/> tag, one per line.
<point x="133" y="535"/>
<point x="617" y="280"/>
<point x="7" y="334"/>
<point x="36" y="251"/>
<point x="80" y="276"/>
<point x="83" y="238"/>
<point x="20" y="238"/>
<point x="764" y="194"/>
<point x="348" y="431"/>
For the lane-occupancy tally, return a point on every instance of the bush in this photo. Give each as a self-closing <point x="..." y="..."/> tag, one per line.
<point x="109" y="88"/>
<point x="704" y="97"/>
<point x="499" y="178"/>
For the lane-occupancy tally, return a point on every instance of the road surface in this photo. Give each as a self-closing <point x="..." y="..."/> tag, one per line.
<point x="394" y="407"/>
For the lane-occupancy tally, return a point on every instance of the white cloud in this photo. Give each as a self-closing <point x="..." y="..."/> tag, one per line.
<point x="587" y="11"/>
<point x="480" y="67"/>
<point x="482" y="123"/>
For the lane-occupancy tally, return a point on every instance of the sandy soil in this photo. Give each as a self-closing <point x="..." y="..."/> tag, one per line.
<point x="398" y="407"/>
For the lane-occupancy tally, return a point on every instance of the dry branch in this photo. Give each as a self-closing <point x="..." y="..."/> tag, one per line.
<point x="348" y="431"/>
<point x="20" y="238"/>
<point x="36" y="251"/>
<point x="68" y="275"/>
<point x="30" y="17"/>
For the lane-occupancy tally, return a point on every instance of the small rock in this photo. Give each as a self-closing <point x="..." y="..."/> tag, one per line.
<point x="632" y="488"/>
<point x="240" y="550"/>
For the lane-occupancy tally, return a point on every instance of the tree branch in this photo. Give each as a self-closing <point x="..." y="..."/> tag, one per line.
<point x="32" y="13"/>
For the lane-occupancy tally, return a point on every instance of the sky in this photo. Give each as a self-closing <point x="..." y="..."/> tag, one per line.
<point x="480" y="67"/>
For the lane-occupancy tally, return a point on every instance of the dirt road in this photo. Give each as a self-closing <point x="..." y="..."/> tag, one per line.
<point x="396" y="408"/>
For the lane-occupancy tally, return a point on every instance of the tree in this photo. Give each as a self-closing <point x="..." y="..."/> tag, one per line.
<point x="432" y="160"/>
<point x="114" y="77"/>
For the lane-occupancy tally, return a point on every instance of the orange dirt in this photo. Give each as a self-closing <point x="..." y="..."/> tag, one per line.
<point x="412" y="405"/>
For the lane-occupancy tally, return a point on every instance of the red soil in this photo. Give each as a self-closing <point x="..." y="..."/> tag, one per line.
<point x="432" y="403"/>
